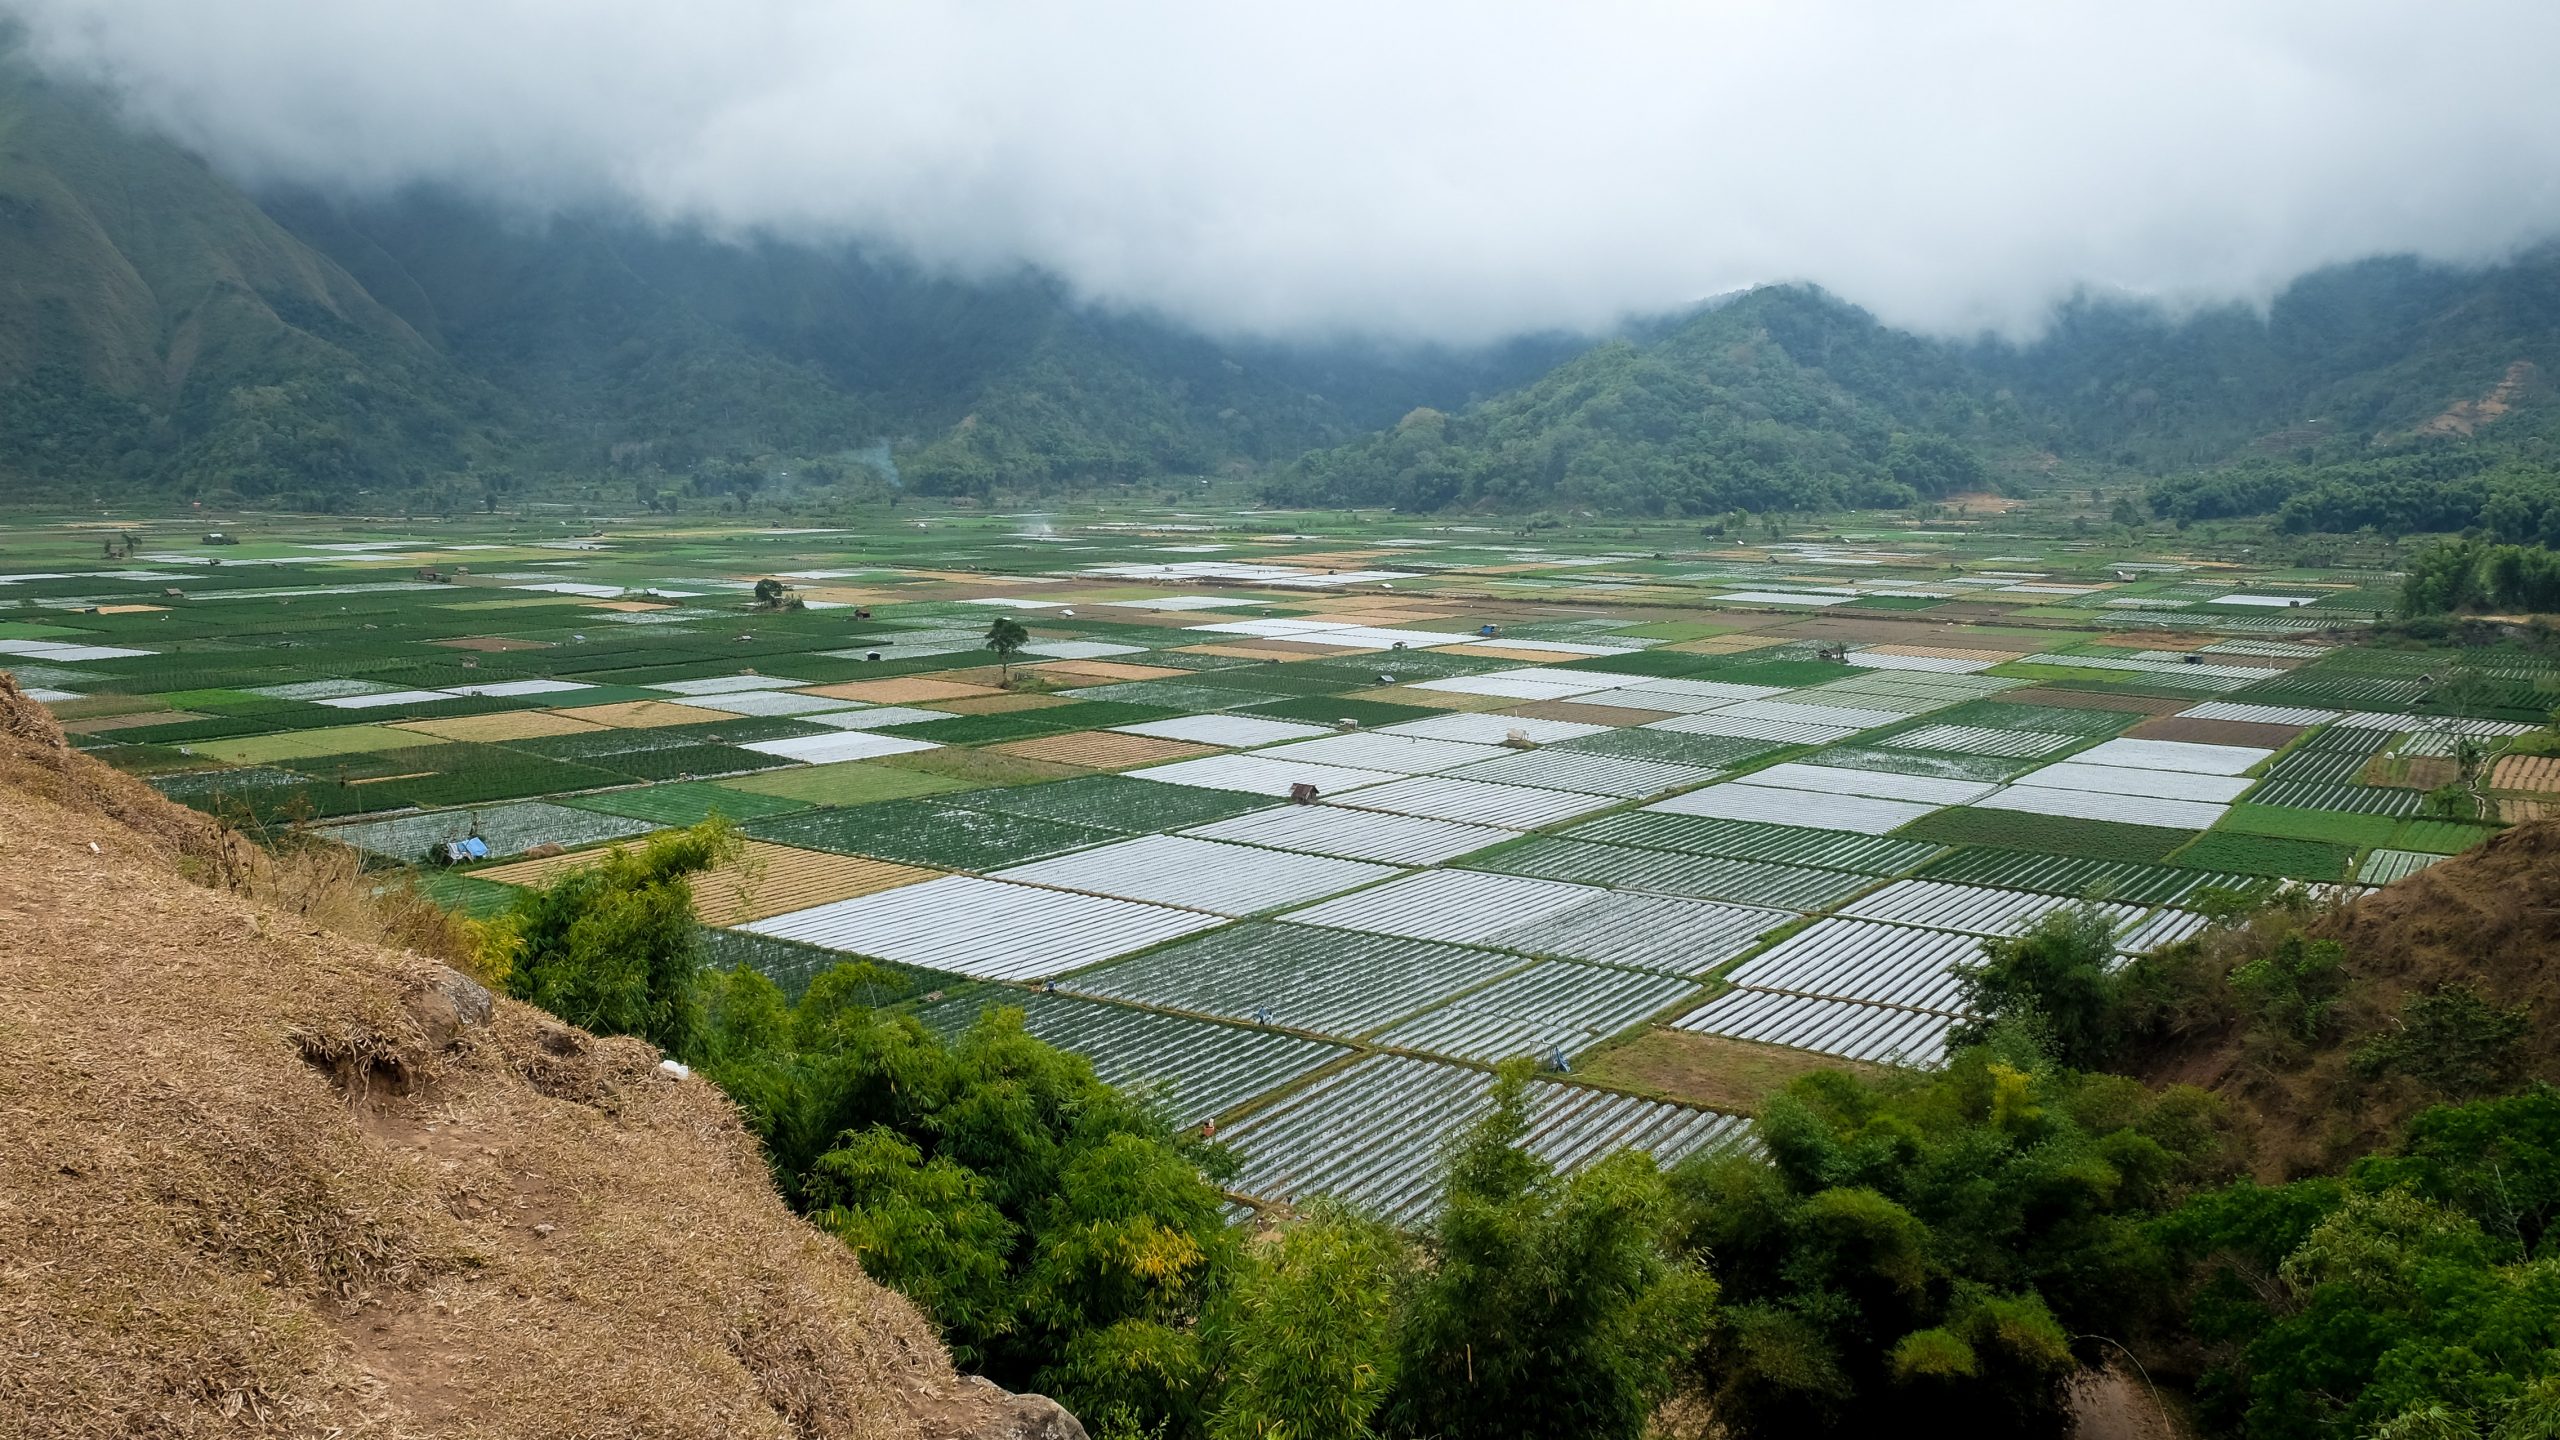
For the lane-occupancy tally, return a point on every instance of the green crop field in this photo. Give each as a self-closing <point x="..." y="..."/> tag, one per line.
<point x="1440" y="894"/>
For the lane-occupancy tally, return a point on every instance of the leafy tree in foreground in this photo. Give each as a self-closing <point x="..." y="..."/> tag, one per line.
<point x="1916" y="1253"/>
<point x="1311" y="1331"/>
<point x="1063" y="1236"/>
<point x="1551" y="1306"/>
<point x="2416" y="1296"/>
<point x="613" y="947"/>
<point x="2455" y="1041"/>
<point x="2053" y="979"/>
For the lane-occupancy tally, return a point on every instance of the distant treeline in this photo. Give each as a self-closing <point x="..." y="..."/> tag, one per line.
<point x="2428" y="490"/>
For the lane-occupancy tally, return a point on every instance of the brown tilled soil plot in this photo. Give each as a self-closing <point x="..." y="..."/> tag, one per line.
<point x="645" y="714"/>
<point x="2156" y="640"/>
<point x="1873" y="627"/>
<point x="2215" y="732"/>
<point x="900" y="690"/>
<point x="1706" y="1069"/>
<point x="505" y="725"/>
<point x="1102" y="749"/>
<point x="767" y="879"/>
<point x="1100" y="672"/>
<point x="2409" y="772"/>
<point x="2539" y="774"/>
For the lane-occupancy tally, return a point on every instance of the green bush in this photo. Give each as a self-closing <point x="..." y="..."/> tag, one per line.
<point x="2454" y="1042"/>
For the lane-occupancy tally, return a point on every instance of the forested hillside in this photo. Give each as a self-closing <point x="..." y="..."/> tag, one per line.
<point x="1780" y="399"/>
<point x="157" y="327"/>
<point x="2389" y="393"/>
<point x="161" y="331"/>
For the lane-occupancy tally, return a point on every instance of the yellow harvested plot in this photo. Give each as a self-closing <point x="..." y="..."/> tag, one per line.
<point x="1102" y="749"/>
<point x="1496" y="650"/>
<point x="1727" y="644"/>
<point x="766" y="880"/>
<point x="645" y="714"/>
<point x="99" y="724"/>
<point x="1950" y="652"/>
<point x="899" y="690"/>
<point x="504" y="726"/>
<point x="311" y="744"/>
<point x="1105" y="670"/>
<point x="2537" y="773"/>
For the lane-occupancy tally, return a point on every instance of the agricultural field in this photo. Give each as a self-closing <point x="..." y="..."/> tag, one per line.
<point x="1302" y="822"/>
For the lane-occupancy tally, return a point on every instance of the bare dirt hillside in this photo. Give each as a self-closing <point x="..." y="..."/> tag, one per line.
<point x="2489" y="919"/>
<point x="257" y="1178"/>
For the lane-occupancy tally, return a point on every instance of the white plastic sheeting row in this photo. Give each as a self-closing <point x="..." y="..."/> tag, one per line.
<point x="986" y="929"/>
<point x="1880" y="784"/>
<point x="1251" y="774"/>
<point x="1580" y="770"/>
<point x="1775" y="805"/>
<point x="1554" y="1007"/>
<point x="1402" y="754"/>
<point x="1199" y="874"/>
<point x="2078" y="774"/>
<point x="1552" y="917"/>
<point x="1849" y="1029"/>
<point x="1865" y="960"/>
<point x="838" y="745"/>
<point x="1373" y="1133"/>
<point x="1302" y="977"/>
<point x="1356" y="834"/>
<point x="1970" y="909"/>
<point x="1476" y="802"/>
<point x="1484" y="729"/>
<point x="1982" y="740"/>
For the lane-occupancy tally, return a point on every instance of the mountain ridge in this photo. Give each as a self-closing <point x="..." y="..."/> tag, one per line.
<point x="164" y="332"/>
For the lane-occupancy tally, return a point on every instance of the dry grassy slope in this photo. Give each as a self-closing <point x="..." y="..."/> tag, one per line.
<point x="256" y="1178"/>
<point x="2490" y="917"/>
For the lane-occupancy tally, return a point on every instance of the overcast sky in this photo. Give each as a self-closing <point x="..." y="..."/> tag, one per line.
<point x="1446" y="169"/>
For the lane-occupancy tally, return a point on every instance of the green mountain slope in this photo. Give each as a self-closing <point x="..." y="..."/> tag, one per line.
<point x="159" y="327"/>
<point x="2390" y="392"/>
<point x="1779" y="399"/>
<point x="162" y="330"/>
<point x="633" y="341"/>
<point x="2345" y="360"/>
<point x="154" y="323"/>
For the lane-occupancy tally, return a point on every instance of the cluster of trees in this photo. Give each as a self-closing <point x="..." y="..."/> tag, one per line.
<point x="2415" y="1296"/>
<point x="2433" y="487"/>
<point x="1939" y="1250"/>
<point x="2456" y="576"/>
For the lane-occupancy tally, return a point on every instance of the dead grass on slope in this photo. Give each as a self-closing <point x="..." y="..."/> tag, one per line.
<point x="2488" y="918"/>
<point x="258" y="1178"/>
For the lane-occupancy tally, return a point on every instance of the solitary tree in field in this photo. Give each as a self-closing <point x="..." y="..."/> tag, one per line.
<point x="1005" y="637"/>
<point x="769" y="594"/>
